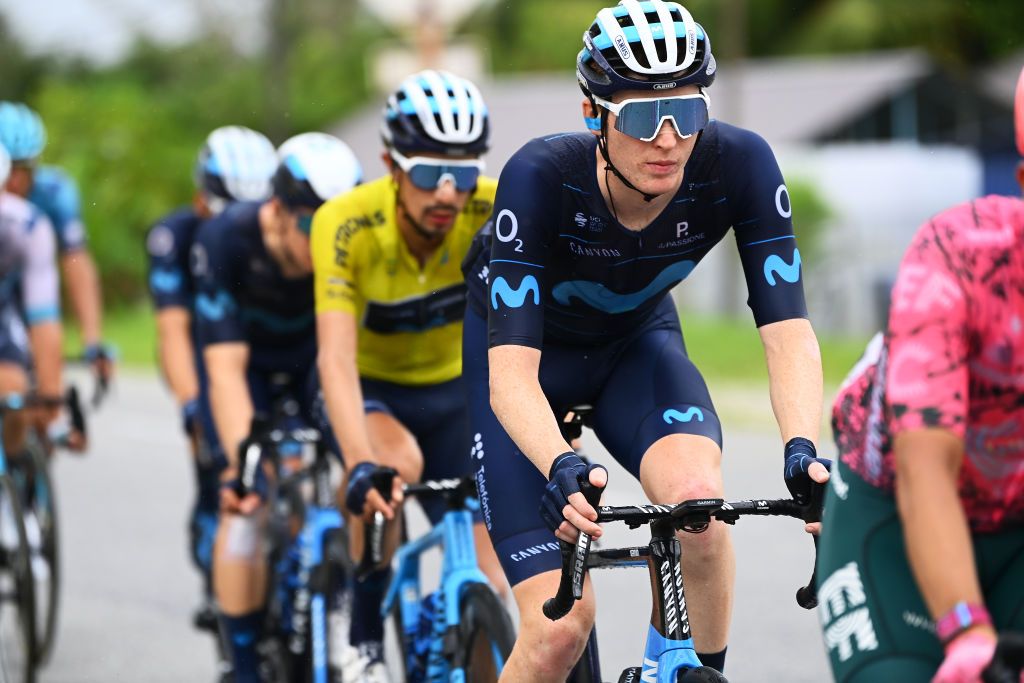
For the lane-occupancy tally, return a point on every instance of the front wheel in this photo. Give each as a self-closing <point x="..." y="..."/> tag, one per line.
<point x="703" y="674"/>
<point x="17" y="591"/>
<point x="41" y="514"/>
<point x="486" y="635"/>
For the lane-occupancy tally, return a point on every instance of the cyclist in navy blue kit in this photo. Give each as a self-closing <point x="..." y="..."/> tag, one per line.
<point x="55" y="194"/>
<point x="234" y="164"/>
<point x="569" y="303"/>
<point x="255" y="316"/>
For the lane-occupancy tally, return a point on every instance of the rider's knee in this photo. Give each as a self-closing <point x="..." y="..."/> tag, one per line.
<point x="563" y="643"/>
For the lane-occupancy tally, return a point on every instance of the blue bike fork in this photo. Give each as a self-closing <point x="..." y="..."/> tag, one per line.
<point x="320" y="522"/>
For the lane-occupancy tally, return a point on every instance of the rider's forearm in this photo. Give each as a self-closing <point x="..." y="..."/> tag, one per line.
<point x="177" y="355"/>
<point x="794" y="377"/>
<point x="935" y="528"/>
<point x="518" y="401"/>
<point x="229" y="395"/>
<point x="83" y="287"/>
<point x="46" y="357"/>
<point x="343" y="397"/>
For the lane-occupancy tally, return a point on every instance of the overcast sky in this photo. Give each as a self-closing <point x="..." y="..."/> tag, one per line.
<point x="102" y="30"/>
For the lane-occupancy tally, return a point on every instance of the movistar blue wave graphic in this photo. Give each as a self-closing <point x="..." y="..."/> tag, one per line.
<point x="672" y="415"/>
<point x="775" y="265"/>
<point x="278" y="323"/>
<point x="215" y="308"/>
<point x="600" y="297"/>
<point x="165" y="280"/>
<point x="514" y="298"/>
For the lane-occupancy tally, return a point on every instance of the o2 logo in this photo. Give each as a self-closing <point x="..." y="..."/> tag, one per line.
<point x="511" y="229"/>
<point x="780" y="194"/>
<point x="514" y="298"/>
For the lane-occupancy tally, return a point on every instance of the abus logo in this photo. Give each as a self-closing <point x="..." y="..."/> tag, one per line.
<point x="664" y="86"/>
<point x="620" y="43"/>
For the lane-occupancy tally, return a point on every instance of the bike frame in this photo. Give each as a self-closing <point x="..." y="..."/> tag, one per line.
<point x="321" y="519"/>
<point x="458" y="568"/>
<point x="669" y="647"/>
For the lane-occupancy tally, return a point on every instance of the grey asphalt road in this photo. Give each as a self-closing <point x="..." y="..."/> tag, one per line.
<point x="129" y="588"/>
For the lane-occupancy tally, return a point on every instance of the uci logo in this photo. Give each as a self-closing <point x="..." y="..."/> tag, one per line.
<point x="664" y="86"/>
<point x="620" y="43"/>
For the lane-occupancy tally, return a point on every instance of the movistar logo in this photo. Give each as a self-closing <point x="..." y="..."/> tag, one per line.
<point x="775" y="265"/>
<point x="165" y="280"/>
<point x="215" y="308"/>
<point x="514" y="298"/>
<point x="672" y="415"/>
<point x="600" y="297"/>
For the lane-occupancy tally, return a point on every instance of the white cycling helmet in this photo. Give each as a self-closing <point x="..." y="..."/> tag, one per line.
<point x="650" y="45"/>
<point x="313" y="168"/>
<point x="236" y="164"/>
<point x="436" y="111"/>
<point x="5" y="166"/>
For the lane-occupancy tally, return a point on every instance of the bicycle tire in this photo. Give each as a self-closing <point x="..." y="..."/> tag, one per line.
<point x="703" y="674"/>
<point x="482" y="614"/>
<point x="44" y="504"/>
<point x="18" y="561"/>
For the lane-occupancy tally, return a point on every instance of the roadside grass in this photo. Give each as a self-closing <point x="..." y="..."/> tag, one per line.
<point x="131" y="330"/>
<point x="726" y="350"/>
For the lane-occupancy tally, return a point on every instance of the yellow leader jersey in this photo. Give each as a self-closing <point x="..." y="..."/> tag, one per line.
<point x="409" y="317"/>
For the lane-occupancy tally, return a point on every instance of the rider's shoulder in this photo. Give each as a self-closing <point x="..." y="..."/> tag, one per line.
<point x="991" y="223"/>
<point x="21" y="211"/>
<point x="735" y="142"/>
<point x="553" y="155"/>
<point x="173" y="231"/>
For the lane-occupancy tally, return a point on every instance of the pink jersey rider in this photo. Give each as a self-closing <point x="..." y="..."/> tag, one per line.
<point x="952" y="358"/>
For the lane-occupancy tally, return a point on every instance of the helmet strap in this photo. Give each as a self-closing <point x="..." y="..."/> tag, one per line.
<point x="602" y="144"/>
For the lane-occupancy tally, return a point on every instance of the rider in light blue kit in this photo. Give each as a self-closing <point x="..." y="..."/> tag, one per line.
<point x="569" y="304"/>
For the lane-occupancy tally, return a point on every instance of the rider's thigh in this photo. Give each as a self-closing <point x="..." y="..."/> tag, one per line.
<point x="1000" y="560"/>
<point x="487" y="560"/>
<point x="239" y="563"/>
<point x="13" y="380"/>
<point x="904" y="669"/>
<point x="394" y="445"/>
<point x="548" y="647"/>
<point x="681" y="467"/>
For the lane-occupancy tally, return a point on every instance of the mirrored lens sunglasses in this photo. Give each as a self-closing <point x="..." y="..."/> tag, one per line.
<point x="642" y="118"/>
<point x="428" y="173"/>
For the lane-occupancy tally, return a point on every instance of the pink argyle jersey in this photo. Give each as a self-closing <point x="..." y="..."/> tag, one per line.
<point x="952" y="358"/>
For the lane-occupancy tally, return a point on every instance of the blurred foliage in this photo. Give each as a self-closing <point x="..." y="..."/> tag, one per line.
<point x="810" y="216"/>
<point x="129" y="133"/>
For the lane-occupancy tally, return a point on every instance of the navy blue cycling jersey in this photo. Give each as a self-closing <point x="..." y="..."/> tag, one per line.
<point x="168" y="245"/>
<point x="241" y="294"/>
<point x="554" y="261"/>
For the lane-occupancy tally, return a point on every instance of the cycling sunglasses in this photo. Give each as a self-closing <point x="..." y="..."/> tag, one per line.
<point x="642" y="118"/>
<point x="428" y="173"/>
<point x="305" y="223"/>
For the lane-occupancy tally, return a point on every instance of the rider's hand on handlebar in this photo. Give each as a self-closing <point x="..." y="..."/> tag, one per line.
<point x="803" y="466"/>
<point x="967" y="656"/>
<point x="233" y="503"/>
<point x="361" y="498"/>
<point x="101" y="357"/>
<point x="563" y="507"/>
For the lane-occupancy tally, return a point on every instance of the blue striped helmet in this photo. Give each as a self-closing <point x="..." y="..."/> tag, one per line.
<point x="315" y="167"/>
<point x="436" y="111"/>
<point x="236" y="164"/>
<point x="21" y="131"/>
<point x="5" y="166"/>
<point x="644" y="45"/>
